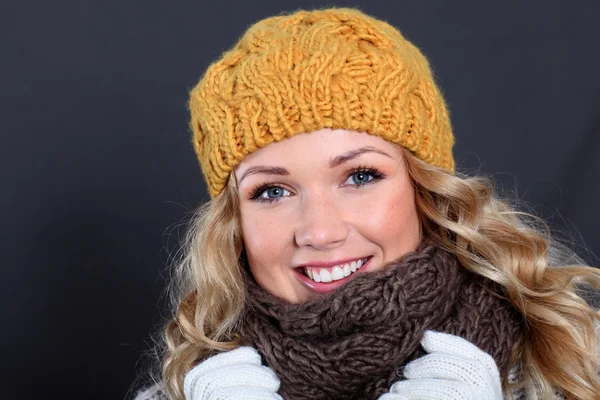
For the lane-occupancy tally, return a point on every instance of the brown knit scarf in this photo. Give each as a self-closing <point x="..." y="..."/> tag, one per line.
<point x="352" y="343"/>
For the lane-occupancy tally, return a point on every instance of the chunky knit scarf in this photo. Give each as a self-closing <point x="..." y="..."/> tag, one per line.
<point x="352" y="343"/>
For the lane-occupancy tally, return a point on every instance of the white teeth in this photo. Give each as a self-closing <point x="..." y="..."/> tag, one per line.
<point x="325" y="276"/>
<point x="337" y="273"/>
<point x="316" y="277"/>
<point x="346" y="270"/>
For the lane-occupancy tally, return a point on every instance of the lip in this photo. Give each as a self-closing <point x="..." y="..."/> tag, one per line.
<point x="331" y="286"/>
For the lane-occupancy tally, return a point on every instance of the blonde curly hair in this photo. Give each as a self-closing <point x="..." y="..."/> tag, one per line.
<point x="490" y="236"/>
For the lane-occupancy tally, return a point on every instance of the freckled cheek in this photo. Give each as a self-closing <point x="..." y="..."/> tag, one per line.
<point x="391" y="222"/>
<point x="407" y="226"/>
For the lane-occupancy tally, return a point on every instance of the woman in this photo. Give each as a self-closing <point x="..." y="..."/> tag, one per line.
<point x="341" y="256"/>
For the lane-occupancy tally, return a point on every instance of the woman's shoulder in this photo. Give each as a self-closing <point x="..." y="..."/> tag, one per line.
<point x="519" y="394"/>
<point x="153" y="392"/>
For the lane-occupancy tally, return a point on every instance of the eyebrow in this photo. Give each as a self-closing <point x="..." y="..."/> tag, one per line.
<point x="334" y="162"/>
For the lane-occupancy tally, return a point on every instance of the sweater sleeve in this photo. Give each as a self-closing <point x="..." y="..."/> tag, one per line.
<point x="151" y="393"/>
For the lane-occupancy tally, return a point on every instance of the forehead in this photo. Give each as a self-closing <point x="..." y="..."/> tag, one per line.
<point x="316" y="147"/>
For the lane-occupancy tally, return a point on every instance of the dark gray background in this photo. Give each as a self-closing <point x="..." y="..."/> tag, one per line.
<point x="99" y="175"/>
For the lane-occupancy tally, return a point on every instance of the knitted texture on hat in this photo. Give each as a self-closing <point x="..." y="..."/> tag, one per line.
<point x="349" y="344"/>
<point x="336" y="68"/>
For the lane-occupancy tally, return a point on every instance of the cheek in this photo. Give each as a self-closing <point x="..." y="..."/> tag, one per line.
<point x="255" y="231"/>
<point x="264" y="240"/>
<point x="269" y="248"/>
<point x="392" y="222"/>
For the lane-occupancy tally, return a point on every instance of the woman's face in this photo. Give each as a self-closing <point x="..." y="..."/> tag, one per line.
<point x="319" y="208"/>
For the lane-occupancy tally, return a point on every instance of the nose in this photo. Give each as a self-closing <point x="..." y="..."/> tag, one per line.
<point x="321" y="223"/>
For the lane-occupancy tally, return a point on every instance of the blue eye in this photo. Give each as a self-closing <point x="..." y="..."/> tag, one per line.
<point x="269" y="193"/>
<point x="273" y="192"/>
<point x="361" y="176"/>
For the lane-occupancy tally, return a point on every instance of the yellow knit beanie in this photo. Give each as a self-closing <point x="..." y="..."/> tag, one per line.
<point x="297" y="73"/>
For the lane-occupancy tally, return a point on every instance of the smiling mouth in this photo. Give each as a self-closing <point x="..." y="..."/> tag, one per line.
<point x="335" y="273"/>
